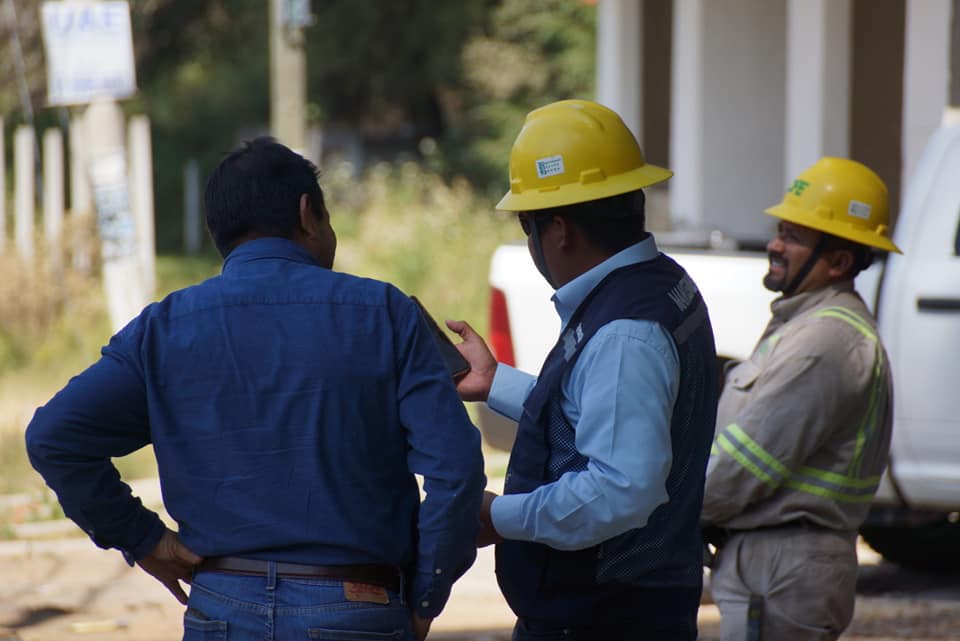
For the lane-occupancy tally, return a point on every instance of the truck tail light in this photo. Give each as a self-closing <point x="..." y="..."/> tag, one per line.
<point x="500" y="340"/>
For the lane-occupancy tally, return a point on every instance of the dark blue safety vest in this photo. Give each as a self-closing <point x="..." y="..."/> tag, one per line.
<point x="546" y="584"/>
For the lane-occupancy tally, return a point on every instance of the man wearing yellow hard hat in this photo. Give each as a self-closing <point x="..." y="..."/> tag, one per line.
<point x="598" y="528"/>
<point x="803" y="426"/>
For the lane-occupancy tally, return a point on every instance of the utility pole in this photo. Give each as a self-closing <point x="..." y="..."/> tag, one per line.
<point x="288" y="72"/>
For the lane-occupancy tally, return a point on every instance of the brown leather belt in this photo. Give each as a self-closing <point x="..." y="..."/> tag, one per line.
<point x="382" y="575"/>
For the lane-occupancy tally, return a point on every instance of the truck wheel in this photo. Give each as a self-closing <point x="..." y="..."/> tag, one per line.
<point x="931" y="547"/>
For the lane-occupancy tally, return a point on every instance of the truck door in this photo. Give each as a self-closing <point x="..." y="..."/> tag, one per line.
<point x="919" y="316"/>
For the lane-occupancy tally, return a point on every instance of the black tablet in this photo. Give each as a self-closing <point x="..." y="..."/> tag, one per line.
<point x="455" y="361"/>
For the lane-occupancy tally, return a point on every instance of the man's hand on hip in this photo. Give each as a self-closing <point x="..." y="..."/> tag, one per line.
<point x="421" y="627"/>
<point x="171" y="562"/>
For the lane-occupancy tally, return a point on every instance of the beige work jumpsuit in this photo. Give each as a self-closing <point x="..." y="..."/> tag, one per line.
<point x="803" y="433"/>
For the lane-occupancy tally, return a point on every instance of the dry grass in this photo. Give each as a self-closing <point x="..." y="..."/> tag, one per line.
<point x="430" y="238"/>
<point x="400" y="224"/>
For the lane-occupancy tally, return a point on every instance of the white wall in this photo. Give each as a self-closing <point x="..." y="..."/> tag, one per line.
<point x="926" y="76"/>
<point x="727" y="134"/>
<point x="619" y="60"/>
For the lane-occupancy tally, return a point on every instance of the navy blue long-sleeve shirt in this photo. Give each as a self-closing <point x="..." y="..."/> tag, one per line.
<point x="289" y="407"/>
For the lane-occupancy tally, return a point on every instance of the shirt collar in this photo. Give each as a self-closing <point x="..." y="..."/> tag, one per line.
<point x="786" y="308"/>
<point x="270" y="247"/>
<point x="568" y="298"/>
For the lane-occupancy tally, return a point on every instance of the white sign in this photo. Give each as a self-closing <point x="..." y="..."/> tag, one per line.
<point x="89" y="50"/>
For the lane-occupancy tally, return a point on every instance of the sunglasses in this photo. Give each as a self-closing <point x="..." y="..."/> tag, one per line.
<point x="527" y="221"/>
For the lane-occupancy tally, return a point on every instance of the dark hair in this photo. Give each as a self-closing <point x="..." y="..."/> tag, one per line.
<point x="862" y="254"/>
<point x="256" y="191"/>
<point x="612" y="224"/>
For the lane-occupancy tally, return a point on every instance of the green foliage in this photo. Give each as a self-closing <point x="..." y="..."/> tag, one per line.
<point x="463" y="74"/>
<point x="16" y="474"/>
<point x="431" y="238"/>
<point x="400" y="223"/>
<point x="204" y="79"/>
<point x="373" y="60"/>
<point x="534" y="52"/>
<point x="176" y="272"/>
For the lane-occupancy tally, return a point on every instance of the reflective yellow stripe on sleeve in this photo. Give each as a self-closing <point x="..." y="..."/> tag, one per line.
<point x="765" y="467"/>
<point x="831" y="485"/>
<point x="847" y="488"/>
<point x="751" y="455"/>
<point x="869" y="420"/>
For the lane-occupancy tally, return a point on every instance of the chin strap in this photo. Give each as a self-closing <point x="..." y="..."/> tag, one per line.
<point x="538" y="258"/>
<point x="807" y="266"/>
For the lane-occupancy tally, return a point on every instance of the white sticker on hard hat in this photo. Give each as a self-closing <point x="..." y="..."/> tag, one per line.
<point x="552" y="166"/>
<point x="859" y="209"/>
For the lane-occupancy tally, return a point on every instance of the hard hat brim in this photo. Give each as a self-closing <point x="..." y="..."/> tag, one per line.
<point x="569" y="194"/>
<point x="801" y="216"/>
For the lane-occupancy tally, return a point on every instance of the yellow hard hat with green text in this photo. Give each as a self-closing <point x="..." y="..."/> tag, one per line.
<point x="840" y="197"/>
<point x="574" y="151"/>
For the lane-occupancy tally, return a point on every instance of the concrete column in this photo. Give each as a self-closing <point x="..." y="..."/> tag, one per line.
<point x="81" y="198"/>
<point x="727" y="135"/>
<point x="818" y="83"/>
<point x="619" y="60"/>
<point x="141" y="193"/>
<point x="122" y="277"/>
<point x="288" y="79"/>
<point x="926" y="76"/>
<point x="24" y="191"/>
<point x="53" y="195"/>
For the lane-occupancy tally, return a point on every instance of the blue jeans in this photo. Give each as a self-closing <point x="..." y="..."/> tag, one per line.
<point x="229" y="607"/>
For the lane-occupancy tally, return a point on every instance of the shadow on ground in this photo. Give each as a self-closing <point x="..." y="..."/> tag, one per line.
<point x="893" y="581"/>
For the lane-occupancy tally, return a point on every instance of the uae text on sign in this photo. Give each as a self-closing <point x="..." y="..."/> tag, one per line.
<point x="89" y="51"/>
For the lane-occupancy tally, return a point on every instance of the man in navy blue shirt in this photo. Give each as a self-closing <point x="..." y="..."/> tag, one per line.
<point x="289" y="407"/>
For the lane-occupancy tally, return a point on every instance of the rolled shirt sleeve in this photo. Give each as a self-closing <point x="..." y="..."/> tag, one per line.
<point x="619" y="396"/>
<point x="99" y="415"/>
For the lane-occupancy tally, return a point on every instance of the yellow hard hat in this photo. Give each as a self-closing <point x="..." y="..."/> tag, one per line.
<point x="574" y="151"/>
<point x="840" y="197"/>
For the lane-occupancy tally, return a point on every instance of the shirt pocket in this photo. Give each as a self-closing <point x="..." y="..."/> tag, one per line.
<point x="743" y="376"/>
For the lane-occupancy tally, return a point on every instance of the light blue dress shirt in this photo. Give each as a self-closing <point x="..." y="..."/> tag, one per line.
<point x="619" y="397"/>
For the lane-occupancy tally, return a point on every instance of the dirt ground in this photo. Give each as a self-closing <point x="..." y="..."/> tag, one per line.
<point x="67" y="589"/>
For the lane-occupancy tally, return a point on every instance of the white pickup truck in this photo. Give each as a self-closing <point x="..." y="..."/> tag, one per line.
<point x="916" y="297"/>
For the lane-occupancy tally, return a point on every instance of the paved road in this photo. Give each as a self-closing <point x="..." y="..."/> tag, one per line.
<point x="67" y="589"/>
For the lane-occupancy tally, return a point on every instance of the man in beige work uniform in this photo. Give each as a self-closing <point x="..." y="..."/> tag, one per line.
<point x="803" y="426"/>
